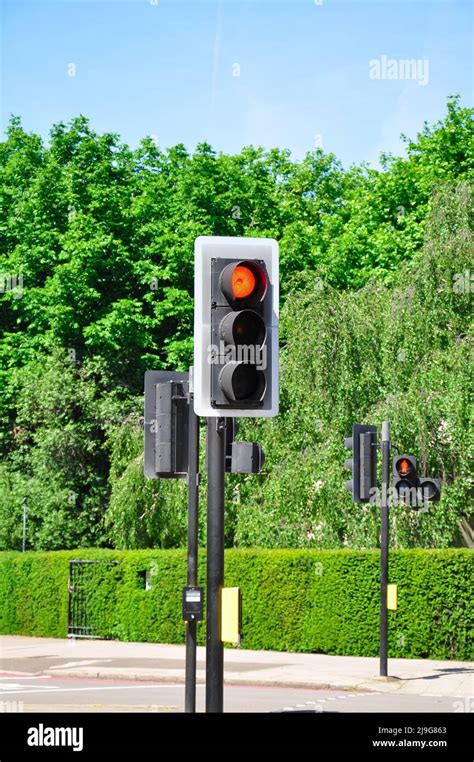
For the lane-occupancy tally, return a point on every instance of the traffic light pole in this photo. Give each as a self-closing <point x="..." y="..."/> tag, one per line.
<point x="215" y="563"/>
<point x="384" y="540"/>
<point x="192" y="561"/>
<point x="23" y="504"/>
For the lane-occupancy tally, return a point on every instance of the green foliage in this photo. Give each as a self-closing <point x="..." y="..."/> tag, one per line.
<point x="58" y="460"/>
<point x="142" y="513"/>
<point x="103" y="237"/>
<point x="402" y="353"/>
<point x="293" y="600"/>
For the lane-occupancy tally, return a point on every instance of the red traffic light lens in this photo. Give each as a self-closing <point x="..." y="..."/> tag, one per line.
<point x="404" y="467"/>
<point x="243" y="282"/>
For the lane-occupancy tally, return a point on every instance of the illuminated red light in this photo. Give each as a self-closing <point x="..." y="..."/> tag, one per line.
<point x="404" y="467"/>
<point x="243" y="282"/>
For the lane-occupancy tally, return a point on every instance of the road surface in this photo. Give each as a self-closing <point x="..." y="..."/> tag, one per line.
<point x="68" y="694"/>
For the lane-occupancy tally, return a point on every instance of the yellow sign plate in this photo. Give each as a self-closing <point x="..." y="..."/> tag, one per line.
<point x="392" y="597"/>
<point x="230" y="615"/>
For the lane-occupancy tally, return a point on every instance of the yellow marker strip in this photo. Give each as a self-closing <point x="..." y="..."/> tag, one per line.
<point x="230" y="615"/>
<point x="392" y="597"/>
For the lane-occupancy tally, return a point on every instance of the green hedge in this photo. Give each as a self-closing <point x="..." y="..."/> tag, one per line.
<point x="293" y="600"/>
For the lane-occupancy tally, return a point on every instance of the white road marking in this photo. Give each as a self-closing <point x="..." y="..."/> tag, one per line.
<point x="82" y="663"/>
<point x="49" y="690"/>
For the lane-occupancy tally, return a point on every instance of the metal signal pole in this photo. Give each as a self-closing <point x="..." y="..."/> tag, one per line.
<point x="192" y="561"/>
<point x="23" y="505"/>
<point x="215" y="563"/>
<point x="384" y="541"/>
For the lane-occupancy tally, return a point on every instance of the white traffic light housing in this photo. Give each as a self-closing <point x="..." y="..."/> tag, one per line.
<point x="236" y="327"/>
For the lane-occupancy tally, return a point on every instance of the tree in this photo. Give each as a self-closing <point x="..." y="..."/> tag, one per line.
<point x="96" y="285"/>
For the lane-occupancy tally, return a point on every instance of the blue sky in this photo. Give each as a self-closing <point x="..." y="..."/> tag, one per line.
<point x="168" y="68"/>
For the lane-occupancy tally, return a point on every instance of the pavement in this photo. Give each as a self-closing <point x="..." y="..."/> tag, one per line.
<point x="113" y="660"/>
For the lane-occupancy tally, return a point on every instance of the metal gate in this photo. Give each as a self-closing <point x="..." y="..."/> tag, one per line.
<point x="91" y="598"/>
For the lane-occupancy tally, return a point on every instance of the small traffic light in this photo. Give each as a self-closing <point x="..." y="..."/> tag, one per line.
<point x="405" y="479"/>
<point x="241" y="457"/>
<point x="236" y="327"/>
<point x="166" y="424"/>
<point x="246" y="458"/>
<point x="363" y="464"/>
<point x="411" y="489"/>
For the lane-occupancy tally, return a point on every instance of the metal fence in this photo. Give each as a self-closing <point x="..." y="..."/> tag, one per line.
<point x="91" y="585"/>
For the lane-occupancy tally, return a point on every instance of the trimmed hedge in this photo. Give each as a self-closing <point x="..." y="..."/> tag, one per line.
<point x="293" y="600"/>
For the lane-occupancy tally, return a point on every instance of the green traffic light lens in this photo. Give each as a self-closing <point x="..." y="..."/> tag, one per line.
<point x="242" y="381"/>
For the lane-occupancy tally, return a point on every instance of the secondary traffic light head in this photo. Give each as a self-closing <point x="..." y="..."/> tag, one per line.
<point x="166" y="424"/>
<point x="236" y="327"/>
<point x="411" y="489"/>
<point x="363" y="463"/>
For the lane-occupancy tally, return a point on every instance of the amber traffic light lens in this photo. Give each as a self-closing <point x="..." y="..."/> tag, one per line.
<point x="243" y="328"/>
<point x="243" y="282"/>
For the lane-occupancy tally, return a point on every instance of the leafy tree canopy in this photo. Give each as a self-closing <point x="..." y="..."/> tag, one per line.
<point x="96" y="252"/>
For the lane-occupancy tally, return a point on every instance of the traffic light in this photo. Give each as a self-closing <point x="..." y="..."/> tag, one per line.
<point x="405" y="479"/>
<point x="241" y="457"/>
<point x="411" y="489"/>
<point x="363" y="464"/>
<point x="236" y="327"/>
<point x="166" y="423"/>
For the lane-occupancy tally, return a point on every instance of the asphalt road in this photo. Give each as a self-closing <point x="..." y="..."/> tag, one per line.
<point x="67" y="694"/>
